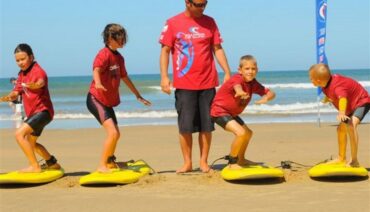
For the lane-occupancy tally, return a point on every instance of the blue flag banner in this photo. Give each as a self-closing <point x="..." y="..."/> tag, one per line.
<point x="321" y="16"/>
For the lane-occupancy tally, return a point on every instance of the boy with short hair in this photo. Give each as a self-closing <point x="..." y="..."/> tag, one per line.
<point x="231" y="100"/>
<point x="352" y="102"/>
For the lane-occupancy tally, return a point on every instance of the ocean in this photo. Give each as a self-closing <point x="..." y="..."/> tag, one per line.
<point x="296" y="101"/>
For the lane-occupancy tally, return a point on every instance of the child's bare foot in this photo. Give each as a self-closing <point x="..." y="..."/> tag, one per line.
<point x="31" y="169"/>
<point x="354" y="163"/>
<point x="185" y="168"/>
<point x="103" y="169"/>
<point x="112" y="165"/>
<point x="51" y="163"/>
<point x="235" y="166"/>
<point x="336" y="161"/>
<point x="55" y="166"/>
<point x="245" y="162"/>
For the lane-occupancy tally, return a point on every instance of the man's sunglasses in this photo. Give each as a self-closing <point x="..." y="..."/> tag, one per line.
<point x="199" y="5"/>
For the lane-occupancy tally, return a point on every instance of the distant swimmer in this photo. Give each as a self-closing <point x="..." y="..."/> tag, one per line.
<point x="17" y="105"/>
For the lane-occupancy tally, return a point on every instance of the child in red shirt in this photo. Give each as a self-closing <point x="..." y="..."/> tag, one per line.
<point x="32" y="85"/>
<point x="231" y="100"/>
<point x="108" y="70"/>
<point x="352" y="102"/>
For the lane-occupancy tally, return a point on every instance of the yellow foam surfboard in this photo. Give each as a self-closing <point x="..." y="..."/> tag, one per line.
<point x="251" y="172"/>
<point x="131" y="174"/>
<point x="336" y="170"/>
<point x="44" y="176"/>
<point x="139" y="166"/>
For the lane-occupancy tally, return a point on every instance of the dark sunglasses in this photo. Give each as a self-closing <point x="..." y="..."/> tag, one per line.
<point x="199" y="5"/>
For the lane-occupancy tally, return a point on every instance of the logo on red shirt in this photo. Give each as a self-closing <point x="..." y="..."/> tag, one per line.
<point x="114" y="69"/>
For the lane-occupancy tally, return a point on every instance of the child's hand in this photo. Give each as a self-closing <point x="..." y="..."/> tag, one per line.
<point x="241" y="94"/>
<point x="4" y="99"/>
<point x="100" y="87"/>
<point x="263" y="100"/>
<point x="144" y="101"/>
<point x="325" y="100"/>
<point x="342" y="116"/>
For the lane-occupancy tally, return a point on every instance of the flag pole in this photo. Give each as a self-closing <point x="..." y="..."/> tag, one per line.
<point x="321" y="8"/>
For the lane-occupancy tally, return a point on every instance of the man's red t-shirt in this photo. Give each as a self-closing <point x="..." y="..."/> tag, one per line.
<point x="225" y="103"/>
<point x="113" y="69"/>
<point x="191" y="41"/>
<point x="34" y="100"/>
<point x="344" y="87"/>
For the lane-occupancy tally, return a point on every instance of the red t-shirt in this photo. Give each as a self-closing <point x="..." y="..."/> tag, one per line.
<point x="34" y="100"/>
<point x="191" y="41"/>
<point x="344" y="87"/>
<point x="113" y="69"/>
<point x="225" y="103"/>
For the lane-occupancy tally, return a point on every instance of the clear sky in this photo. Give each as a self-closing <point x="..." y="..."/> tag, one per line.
<point x="66" y="34"/>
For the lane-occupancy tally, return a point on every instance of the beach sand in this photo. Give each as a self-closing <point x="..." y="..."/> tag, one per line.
<point x="79" y="150"/>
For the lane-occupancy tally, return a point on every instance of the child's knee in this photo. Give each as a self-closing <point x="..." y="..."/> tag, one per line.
<point x="115" y="134"/>
<point x="246" y="132"/>
<point x="19" y="134"/>
<point x="342" y="127"/>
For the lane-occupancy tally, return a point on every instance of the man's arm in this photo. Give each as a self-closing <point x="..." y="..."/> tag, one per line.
<point x="222" y="60"/>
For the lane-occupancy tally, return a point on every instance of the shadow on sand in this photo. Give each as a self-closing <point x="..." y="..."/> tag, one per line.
<point x="340" y="179"/>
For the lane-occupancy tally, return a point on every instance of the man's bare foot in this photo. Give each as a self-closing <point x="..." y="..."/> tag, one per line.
<point x="185" y="168"/>
<point x="31" y="169"/>
<point x="354" y="163"/>
<point x="335" y="161"/>
<point x="204" y="167"/>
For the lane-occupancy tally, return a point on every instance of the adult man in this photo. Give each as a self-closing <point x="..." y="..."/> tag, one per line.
<point x="193" y="39"/>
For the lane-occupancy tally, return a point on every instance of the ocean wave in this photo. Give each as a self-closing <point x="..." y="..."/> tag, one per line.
<point x="283" y="85"/>
<point x="119" y="114"/>
<point x="295" y="108"/>
<point x="273" y="109"/>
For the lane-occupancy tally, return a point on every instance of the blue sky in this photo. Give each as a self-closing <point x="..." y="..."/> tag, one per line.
<point x="66" y="35"/>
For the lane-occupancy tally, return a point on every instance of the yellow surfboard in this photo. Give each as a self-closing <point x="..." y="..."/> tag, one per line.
<point x="336" y="170"/>
<point x="44" y="176"/>
<point x="130" y="174"/>
<point x="251" y="172"/>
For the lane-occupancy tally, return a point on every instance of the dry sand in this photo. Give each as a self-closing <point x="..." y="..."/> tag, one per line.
<point x="79" y="151"/>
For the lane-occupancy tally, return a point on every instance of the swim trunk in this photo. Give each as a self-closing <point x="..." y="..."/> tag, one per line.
<point x="38" y="121"/>
<point x="223" y="120"/>
<point x="100" y="111"/>
<point x="193" y="110"/>
<point x="361" y="111"/>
